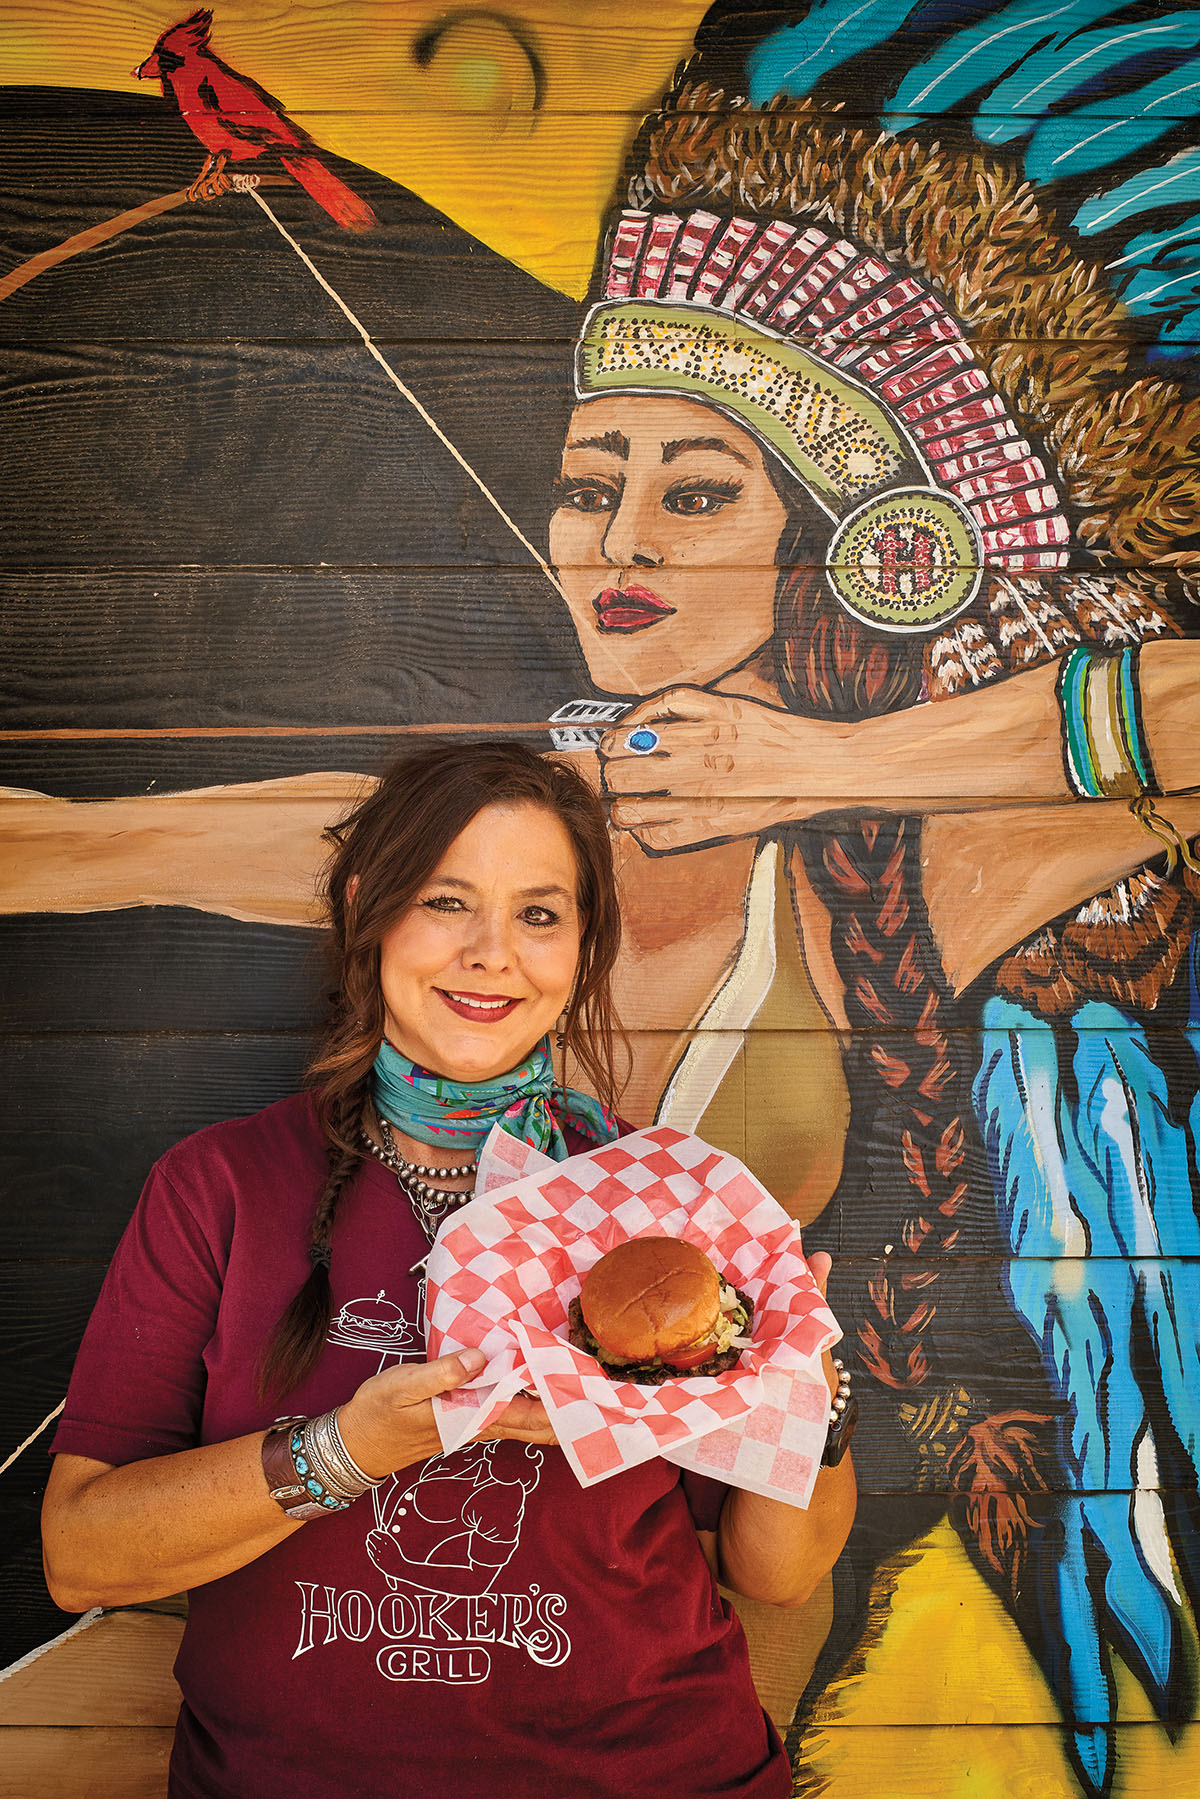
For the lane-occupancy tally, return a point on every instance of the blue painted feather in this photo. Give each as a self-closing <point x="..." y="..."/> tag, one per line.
<point x="1048" y="78"/>
<point x="1066" y="75"/>
<point x="1088" y="1160"/>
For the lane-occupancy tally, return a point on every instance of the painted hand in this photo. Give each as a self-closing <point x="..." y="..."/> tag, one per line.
<point x="723" y="767"/>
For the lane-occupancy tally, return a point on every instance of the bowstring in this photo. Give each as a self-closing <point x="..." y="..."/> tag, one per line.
<point x="408" y="394"/>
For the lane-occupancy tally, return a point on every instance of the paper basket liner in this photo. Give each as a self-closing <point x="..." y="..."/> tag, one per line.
<point x="505" y="1267"/>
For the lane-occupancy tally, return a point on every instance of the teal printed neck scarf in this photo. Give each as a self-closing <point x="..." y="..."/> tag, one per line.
<point x="459" y="1114"/>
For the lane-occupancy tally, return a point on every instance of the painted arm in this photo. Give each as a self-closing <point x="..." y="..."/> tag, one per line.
<point x="741" y="767"/>
<point x="991" y="879"/>
<point x="994" y="870"/>
<point x="770" y="1551"/>
<point x="251" y="852"/>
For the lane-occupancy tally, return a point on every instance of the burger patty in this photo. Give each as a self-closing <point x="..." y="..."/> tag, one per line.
<point x="652" y="1374"/>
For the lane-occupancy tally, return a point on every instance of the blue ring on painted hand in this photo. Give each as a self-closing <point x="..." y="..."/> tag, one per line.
<point x="643" y="741"/>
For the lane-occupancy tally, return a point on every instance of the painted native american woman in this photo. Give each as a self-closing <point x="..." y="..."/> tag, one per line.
<point x="915" y="338"/>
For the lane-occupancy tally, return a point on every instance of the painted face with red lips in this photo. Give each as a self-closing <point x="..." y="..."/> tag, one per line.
<point x="664" y="535"/>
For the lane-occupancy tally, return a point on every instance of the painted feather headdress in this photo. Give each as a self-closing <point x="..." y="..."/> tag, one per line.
<point x="895" y="317"/>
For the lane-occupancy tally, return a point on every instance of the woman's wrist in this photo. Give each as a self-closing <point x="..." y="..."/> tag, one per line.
<point x="843" y="1415"/>
<point x="309" y="1470"/>
<point x="365" y="1437"/>
<point x="834" y="762"/>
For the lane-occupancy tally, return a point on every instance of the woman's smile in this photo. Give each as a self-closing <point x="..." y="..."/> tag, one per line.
<point x="487" y="1008"/>
<point x="664" y="534"/>
<point x="478" y="969"/>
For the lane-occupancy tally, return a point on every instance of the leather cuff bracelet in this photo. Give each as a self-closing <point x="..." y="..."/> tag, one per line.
<point x="308" y="1469"/>
<point x="284" y="1481"/>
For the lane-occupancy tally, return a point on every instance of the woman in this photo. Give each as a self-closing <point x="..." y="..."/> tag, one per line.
<point x="793" y="370"/>
<point x="545" y="1639"/>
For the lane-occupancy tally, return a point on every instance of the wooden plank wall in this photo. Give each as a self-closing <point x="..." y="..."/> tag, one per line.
<point x="239" y="568"/>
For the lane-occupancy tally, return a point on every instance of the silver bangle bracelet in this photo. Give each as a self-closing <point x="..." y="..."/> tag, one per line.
<point x="837" y="1404"/>
<point x="333" y="1465"/>
<point x="352" y="1466"/>
<point x="843" y="1417"/>
<point x="319" y="1451"/>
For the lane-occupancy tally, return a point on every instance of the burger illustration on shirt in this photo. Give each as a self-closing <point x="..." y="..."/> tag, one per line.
<point x="655" y="1308"/>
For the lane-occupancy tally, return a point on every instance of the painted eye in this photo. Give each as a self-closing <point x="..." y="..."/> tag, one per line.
<point x="699" y="502"/>
<point x="587" y="496"/>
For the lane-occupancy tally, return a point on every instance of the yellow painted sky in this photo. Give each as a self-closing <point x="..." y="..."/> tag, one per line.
<point x="458" y="131"/>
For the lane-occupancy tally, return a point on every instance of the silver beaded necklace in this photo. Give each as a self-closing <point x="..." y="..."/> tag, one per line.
<point x="430" y="1203"/>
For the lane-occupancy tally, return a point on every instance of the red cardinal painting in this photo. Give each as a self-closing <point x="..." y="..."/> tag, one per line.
<point x="237" y="121"/>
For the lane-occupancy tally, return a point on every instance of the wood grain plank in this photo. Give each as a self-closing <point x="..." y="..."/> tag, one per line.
<point x="158" y="969"/>
<point x="101" y="768"/>
<point x="28" y="1616"/>
<point x="92" y="1762"/>
<point x="117" y="1673"/>
<point x="264" y="39"/>
<point x="949" y="1760"/>
<point x="102" y="764"/>
<point x="581" y="56"/>
<point x="929" y="1608"/>
<point x="219" y="268"/>
<point x="299" y="648"/>
<point x="186" y="649"/>
<point x="274" y="454"/>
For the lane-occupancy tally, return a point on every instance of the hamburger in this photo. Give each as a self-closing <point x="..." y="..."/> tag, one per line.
<point x="654" y="1308"/>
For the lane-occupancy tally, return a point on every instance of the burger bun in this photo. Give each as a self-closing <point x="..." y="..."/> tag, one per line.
<point x="650" y="1296"/>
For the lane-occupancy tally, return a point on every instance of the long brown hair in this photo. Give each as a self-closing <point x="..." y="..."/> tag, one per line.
<point x="384" y="853"/>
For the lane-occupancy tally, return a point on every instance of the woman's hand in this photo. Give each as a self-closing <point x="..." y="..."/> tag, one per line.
<point x="737" y="767"/>
<point x="390" y="1423"/>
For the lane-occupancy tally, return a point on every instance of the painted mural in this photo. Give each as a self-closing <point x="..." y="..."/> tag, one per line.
<point x="790" y="413"/>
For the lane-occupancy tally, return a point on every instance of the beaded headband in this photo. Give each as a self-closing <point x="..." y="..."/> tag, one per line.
<point x="852" y="373"/>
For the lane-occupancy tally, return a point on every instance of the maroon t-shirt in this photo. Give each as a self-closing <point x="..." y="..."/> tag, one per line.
<point x="481" y="1623"/>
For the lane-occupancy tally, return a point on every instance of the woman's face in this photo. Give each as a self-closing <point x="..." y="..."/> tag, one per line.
<point x="480" y="966"/>
<point x="664" y="535"/>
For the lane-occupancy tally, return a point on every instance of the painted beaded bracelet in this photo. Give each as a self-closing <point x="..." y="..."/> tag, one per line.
<point x="1105" y="754"/>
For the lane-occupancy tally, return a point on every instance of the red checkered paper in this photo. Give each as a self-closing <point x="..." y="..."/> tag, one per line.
<point x="504" y="1159"/>
<point x="505" y="1267"/>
